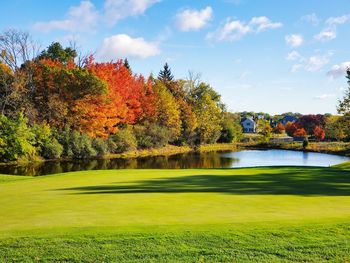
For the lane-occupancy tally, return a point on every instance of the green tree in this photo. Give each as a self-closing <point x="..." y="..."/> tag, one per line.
<point x="209" y="118"/>
<point x="231" y="128"/>
<point x="264" y="129"/>
<point x="165" y="74"/>
<point x="344" y="104"/>
<point x="56" y="52"/>
<point x="334" y="128"/>
<point x="127" y="65"/>
<point x="16" y="139"/>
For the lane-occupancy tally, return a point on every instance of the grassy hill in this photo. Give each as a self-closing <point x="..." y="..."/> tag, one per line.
<point x="280" y="214"/>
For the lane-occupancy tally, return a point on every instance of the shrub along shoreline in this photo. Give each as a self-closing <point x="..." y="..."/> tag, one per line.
<point x="167" y="150"/>
<point x="336" y="148"/>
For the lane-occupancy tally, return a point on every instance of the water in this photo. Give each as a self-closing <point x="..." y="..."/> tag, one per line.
<point x="245" y="158"/>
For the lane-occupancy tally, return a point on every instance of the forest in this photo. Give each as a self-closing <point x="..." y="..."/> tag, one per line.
<point x="58" y="103"/>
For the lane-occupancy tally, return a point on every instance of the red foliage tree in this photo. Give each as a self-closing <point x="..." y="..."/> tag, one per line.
<point x="291" y="128"/>
<point x="279" y="129"/>
<point x="309" y="122"/>
<point x="300" y="133"/>
<point x="319" y="133"/>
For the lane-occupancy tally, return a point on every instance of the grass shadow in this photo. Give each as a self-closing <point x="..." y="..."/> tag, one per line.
<point x="278" y="181"/>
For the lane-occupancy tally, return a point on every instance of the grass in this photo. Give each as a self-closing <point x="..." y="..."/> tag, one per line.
<point x="280" y="214"/>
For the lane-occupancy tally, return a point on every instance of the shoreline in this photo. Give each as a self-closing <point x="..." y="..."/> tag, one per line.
<point x="168" y="150"/>
<point x="335" y="148"/>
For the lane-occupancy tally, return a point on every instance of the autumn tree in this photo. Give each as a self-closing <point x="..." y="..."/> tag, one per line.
<point x="168" y="110"/>
<point x="300" y="133"/>
<point x="291" y="128"/>
<point x="264" y="129"/>
<point x="279" y="129"/>
<point x="335" y="128"/>
<point x="17" y="47"/>
<point x="319" y="133"/>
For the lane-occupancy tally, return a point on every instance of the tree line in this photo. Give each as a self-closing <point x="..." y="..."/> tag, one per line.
<point x="57" y="103"/>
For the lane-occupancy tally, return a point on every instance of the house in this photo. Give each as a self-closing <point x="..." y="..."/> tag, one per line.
<point x="248" y="125"/>
<point x="287" y="119"/>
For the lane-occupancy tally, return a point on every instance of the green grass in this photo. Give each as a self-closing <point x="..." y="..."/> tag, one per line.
<point x="281" y="214"/>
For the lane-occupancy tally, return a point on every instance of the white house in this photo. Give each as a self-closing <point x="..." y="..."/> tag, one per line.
<point x="249" y="125"/>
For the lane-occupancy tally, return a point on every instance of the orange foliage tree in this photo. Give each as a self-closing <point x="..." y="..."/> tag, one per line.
<point x="319" y="133"/>
<point x="300" y="133"/>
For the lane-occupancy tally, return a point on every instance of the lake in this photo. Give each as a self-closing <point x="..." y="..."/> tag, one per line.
<point x="227" y="159"/>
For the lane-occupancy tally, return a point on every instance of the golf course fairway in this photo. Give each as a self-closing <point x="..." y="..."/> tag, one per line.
<point x="269" y="214"/>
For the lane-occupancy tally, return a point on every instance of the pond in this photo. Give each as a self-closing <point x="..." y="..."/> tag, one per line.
<point x="227" y="159"/>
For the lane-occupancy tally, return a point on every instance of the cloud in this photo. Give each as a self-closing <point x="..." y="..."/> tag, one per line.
<point x="311" y="64"/>
<point x="330" y="31"/>
<point x="80" y="18"/>
<point x="115" y="10"/>
<point x="339" y="70"/>
<point x="122" y="45"/>
<point x="233" y="30"/>
<point x="324" y="96"/>
<point x="189" y="19"/>
<point x="294" y="40"/>
<point x="326" y="34"/>
<point x="312" y="19"/>
<point x="337" y="20"/>
<point x="316" y="63"/>
<point x="294" y="55"/>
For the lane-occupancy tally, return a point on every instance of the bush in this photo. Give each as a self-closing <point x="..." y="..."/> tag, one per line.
<point x="76" y="145"/>
<point x="124" y="140"/>
<point x="100" y="146"/>
<point x="16" y="139"/>
<point x="52" y="149"/>
<point x="305" y="143"/>
<point x="152" y="136"/>
<point x="46" y="144"/>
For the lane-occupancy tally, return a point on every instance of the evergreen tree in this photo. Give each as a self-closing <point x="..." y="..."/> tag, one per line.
<point x="56" y="52"/>
<point x="165" y="74"/>
<point x="127" y="65"/>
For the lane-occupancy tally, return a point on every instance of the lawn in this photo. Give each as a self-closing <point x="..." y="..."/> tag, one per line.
<point x="281" y="214"/>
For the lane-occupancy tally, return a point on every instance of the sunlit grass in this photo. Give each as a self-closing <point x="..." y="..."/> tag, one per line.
<point x="262" y="214"/>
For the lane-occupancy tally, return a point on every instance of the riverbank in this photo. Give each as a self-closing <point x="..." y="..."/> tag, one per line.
<point x="168" y="150"/>
<point x="338" y="148"/>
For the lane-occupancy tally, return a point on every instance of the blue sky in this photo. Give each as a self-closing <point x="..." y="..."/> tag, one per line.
<point x="273" y="56"/>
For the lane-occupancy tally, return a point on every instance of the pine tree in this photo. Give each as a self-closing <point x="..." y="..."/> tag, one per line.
<point x="165" y="74"/>
<point x="127" y="65"/>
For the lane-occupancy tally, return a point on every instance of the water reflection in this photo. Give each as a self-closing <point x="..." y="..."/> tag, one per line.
<point x="180" y="161"/>
<point x="247" y="158"/>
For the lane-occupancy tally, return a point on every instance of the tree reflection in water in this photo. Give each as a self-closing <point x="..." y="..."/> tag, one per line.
<point x="180" y="161"/>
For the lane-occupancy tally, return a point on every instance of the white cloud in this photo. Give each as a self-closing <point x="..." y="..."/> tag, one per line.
<point x="80" y="18"/>
<point x="324" y="96"/>
<point x="294" y="40"/>
<point x="337" y="20"/>
<point x="312" y="19"/>
<point x="115" y="10"/>
<point x="122" y="45"/>
<point x="233" y="30"/>
<point x="316" y="63"/>
<point x="189" y="19"/>
<point x="263" y="23"/>
<point x="330" y="31"/>
<point x="326" y="34"/>
<point x="339" y="70"/>
<point x="294" y="55"/>
<point x="311" y="64"/>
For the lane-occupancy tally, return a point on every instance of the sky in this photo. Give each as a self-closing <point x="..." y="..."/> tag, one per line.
<point x="272" y="56"/>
